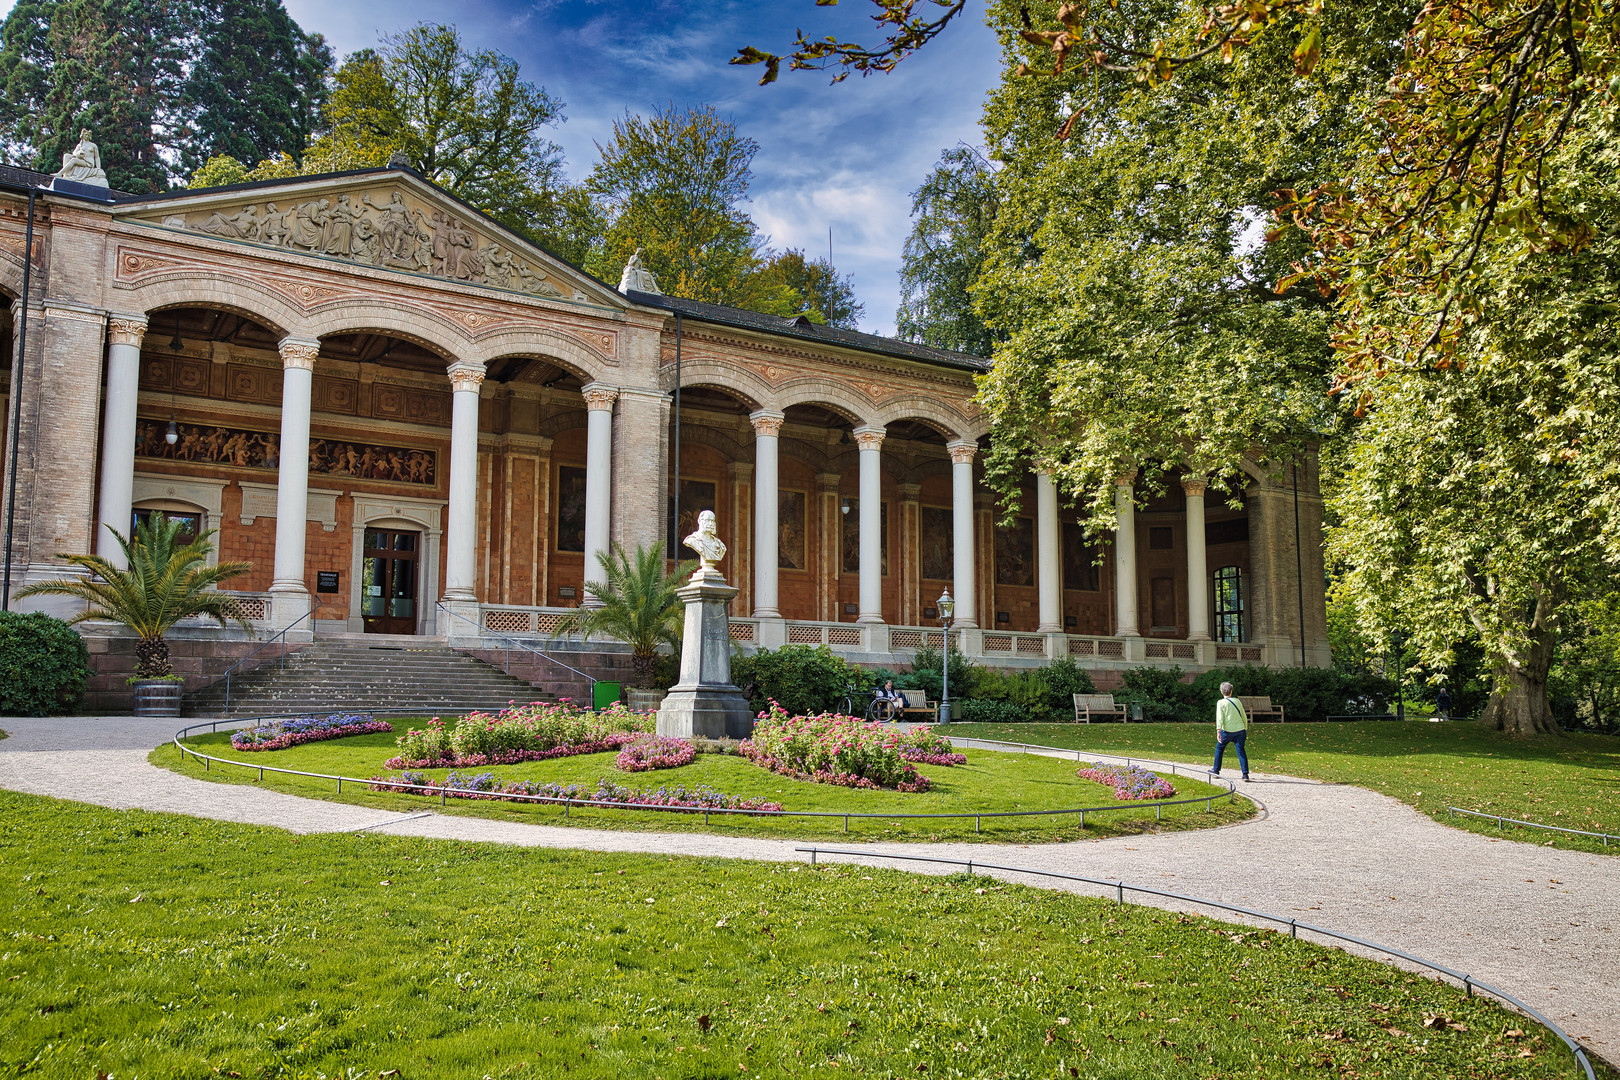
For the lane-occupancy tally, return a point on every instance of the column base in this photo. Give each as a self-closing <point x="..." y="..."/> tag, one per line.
<point x="288" y="604"/>
<point x="970" y="640"/>
<point x="868" y="617"/>
<point x="462" y="631"/>
<point x="771" y="633"/>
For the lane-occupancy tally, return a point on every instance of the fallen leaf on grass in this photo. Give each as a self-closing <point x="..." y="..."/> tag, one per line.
<point x="704" y="1022"/>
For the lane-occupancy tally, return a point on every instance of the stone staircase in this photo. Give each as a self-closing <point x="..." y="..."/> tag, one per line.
<point x="366" y="673"/>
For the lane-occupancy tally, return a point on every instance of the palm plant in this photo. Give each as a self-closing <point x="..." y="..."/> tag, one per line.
<point x="637" y="605"/>
<point x="166" y="582"/>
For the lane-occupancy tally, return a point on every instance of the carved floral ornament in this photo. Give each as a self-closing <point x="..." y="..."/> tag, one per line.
<point x="962" y="452"/>
<point x="869" y="438"/>
<point x="125" y="330"/>
<point x="300" y="354"/>
<point x="767" y="424"/>
<point x="600" y="398"/>
<point x="1194" y="486"/>
<point x="387" y="230"/>
<point x="466" y="376"/>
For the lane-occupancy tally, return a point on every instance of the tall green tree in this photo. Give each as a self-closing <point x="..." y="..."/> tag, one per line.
<point x="811" y="287"/>
<point x="258" y="88"/>
<point x="952" y="213"/>
<point x="673" y="183"/>
<point x="117" y="67"/>
<point x="466" y="119"/>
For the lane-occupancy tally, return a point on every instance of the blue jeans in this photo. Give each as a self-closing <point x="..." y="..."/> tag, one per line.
<point x="1236" y="738"/>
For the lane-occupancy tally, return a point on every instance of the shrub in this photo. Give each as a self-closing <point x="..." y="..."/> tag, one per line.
<point x="927" y="674"/>
<point x="524" y="733"/>
<point x="43" y="665"/>
<point x="832" y="749"/>
<point x="803" y="679"/>
<point x="1163" y="697"/>
<point x="1064" y="679"/>
<point x="981" y="711"/>
<point x="1305" y="694"/>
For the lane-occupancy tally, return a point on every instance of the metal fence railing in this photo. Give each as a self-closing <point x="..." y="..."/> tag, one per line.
<point x="978" y="816"/>
<point x="1502" y="822"/>
<point x="1120" y="888"/>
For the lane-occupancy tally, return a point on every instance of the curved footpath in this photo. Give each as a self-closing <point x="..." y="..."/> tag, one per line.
<point x="1539" y="922"/>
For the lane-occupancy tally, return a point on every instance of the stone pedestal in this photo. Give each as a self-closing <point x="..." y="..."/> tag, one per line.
<point x="704" y="703"/>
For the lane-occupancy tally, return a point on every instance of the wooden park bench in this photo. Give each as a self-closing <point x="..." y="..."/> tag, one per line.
<point x="1100" y="705"/>
<point x="927" y="711"/>
<point x="1261" y="708"/>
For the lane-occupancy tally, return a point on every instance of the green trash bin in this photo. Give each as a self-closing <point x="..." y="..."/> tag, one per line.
<point x="604" y="694"/>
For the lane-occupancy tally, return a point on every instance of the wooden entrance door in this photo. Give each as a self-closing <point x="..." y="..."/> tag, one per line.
<point x="388" y="581"/>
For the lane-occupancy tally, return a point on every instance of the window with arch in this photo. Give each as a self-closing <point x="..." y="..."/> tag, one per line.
<point x="1229" y="603"/>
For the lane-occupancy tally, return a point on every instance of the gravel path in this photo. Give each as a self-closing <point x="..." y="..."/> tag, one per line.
<point x="1539" y="922"/>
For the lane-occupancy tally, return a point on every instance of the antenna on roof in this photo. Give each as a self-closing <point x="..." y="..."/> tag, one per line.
<point x="832" y="276"/>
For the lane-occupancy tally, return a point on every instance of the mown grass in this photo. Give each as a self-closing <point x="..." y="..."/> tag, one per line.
<point x="989" y="782"/>
<point x="1573" y="781"/>
<point x="143" y="944"/>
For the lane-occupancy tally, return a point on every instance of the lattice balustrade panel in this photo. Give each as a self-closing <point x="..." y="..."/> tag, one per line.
<point x="1158" y="650"/>
<point x="906" y="639"/>
<point x="1184" y="652"/>
<point x="1031" y="646"/>
<point x="547" y="621"/>
<point x="1078" y="647"/>
<point x="508" y="622"/>
<point x="1113" y="650"/>
<point x="804" y="635"/>
<point x="1226" y="652"/>
<point x="841" y="635"/>
<point x="742" y="631"/>
<point x="1001" y="643"/>
<point x="253" y="608"/>
<point x="1253" y="654"/>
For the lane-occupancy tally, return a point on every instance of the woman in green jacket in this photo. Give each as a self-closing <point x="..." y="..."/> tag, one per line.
<point x="1231" y="726"/>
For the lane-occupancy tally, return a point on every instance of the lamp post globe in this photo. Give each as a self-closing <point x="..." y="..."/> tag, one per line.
<point x="947" y="609"/>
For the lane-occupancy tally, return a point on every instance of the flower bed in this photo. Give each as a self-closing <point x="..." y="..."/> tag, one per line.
<point x="523" y="733"/>
<point x="280" y="734"/>
<point x="488" y="786"/>
<point x="831" y="749"/>
<point x="655" y="752"/>
<point x="1128" y="781"/>
<point x="922" y="746"/>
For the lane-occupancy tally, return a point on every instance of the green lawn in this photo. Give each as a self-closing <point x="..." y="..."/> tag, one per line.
<point x="1573" y="782"/>
<point x="142" y="944"/>
<point x="990" y="781"/>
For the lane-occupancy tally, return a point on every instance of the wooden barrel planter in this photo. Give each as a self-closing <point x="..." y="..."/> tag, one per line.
<point x="158" y="697"/>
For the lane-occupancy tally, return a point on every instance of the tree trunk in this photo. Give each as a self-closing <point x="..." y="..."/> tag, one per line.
<point x="642" y="669"/>
<point x="1518" y="703"/>
<point x="152" y="658"/>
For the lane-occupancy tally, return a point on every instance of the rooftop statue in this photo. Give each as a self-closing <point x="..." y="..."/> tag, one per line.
<point x="636" y="276"/>
<point x="82" y="164"/>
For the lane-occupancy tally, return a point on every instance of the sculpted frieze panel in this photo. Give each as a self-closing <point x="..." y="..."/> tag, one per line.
<point x="383" y="227"/>
<point x="247" y="449"/>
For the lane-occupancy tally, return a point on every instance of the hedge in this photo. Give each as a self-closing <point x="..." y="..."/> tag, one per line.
<point x="44" y="665"/>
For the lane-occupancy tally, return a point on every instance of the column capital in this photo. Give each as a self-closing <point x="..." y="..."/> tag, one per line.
<point x="299" y="352"/>
<point x="465" y="375"/>
<point x="1194" y="486"/>
<point x="741" y="470"/>
<point x="962" y="451"/>
<point x="909" y="492"/>
<point x="1126" y="478"/>
<point x="869" y="437"/>
<point x="599" y="397"/>
<point x="766" y="422"/>
<point x="829" y="481"/>
<point x="126" y="329"/>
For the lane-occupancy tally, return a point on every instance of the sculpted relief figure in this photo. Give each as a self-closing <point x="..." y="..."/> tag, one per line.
<point x="400" y="239"/>
<point x="498" y="267"/>
<point x="309" y="225"/>
<point x="241" y="226"/>
<point x="82" y="164"/>
<point x="340" y="229"/>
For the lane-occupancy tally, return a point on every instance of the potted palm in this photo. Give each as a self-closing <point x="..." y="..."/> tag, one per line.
<point x="166" y="581"/>
<point x="638" y="606"/>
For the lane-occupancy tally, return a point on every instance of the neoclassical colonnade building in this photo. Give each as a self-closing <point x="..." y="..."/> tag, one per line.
<point x="475" y="420"/>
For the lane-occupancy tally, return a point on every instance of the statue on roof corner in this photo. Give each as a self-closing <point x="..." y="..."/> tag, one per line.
<point x="636" y="276"/>
<point x="82" y="164"/>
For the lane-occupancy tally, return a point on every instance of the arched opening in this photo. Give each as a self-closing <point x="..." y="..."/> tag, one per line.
<point x="711" y="463"/>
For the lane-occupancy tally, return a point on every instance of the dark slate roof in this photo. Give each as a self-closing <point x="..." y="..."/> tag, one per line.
<point x="801" y="327"/>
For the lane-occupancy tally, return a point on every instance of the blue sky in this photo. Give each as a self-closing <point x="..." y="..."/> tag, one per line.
<point x="845" y="156"/>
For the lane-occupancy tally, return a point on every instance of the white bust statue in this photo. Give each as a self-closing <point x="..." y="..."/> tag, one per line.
<point x="636" y="276"/>
<point x="710" y="548"/>
<point x="82" y="164"/>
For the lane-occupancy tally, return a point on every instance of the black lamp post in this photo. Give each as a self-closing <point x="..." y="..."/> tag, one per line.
<point x="947" y="608"/>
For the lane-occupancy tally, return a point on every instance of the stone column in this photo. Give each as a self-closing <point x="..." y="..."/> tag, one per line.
<point x="461" y="528"/>
<point x="870" y="440"/>
<point x="124" y="333"/>
<point x="967" y="613"/>
<point x="767" y="428"/>
<point x="291" y="595"/>
<point x="1125" y="557"/>
<point x="599" y="480"/>
<point x="1197" y="565"/>
<point x="1048" y="570"/>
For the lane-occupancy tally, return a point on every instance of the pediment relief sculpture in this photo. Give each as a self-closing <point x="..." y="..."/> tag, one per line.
<point x="381" y="228"/>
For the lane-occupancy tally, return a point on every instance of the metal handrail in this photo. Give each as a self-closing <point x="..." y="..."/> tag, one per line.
<point x="510" y="641"/>
<point x="281" y="664"/>
<point x="1470" y="984"/>
<point x="978" y="816"/>
<point x="1499" y="819"/>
